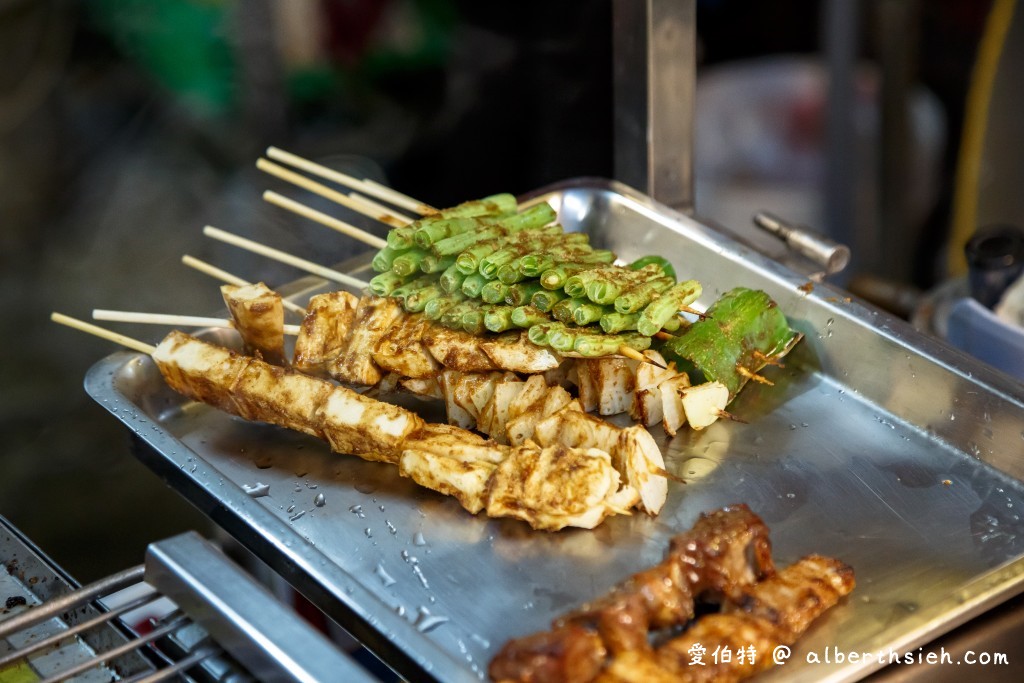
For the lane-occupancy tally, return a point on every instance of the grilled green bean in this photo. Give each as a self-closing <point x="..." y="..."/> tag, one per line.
<point x="494" y="292"/>
<point x="528" y="316"/>
<point x="667" y="306"/>
<point x="635" y="299"/>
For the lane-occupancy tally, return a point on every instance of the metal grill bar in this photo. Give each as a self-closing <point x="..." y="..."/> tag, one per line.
<point x="119" y="650"/>
<point x="181" y="665"/>
<point x="99" y="619"/>
<point x="64" y="603"/>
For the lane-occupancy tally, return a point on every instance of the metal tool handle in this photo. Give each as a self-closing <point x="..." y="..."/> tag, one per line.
<point x="830" y="255"/>
<point x="243" y="617"/>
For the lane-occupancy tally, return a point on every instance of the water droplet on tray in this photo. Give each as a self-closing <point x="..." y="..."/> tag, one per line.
<point x="419" y="575"/>
<point x="425" y="621"/>
<point x="385" y="578"/>
<point x="364" y="487"/>
<point x="297" y="515"/>
<point x="418" y="539"/>
<point x="257" y="490"/>
<point x="391" y="527"/>
<point x="319" y="500"/>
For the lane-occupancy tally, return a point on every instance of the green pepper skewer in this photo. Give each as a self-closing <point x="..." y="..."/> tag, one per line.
<point x="659" y="261"/>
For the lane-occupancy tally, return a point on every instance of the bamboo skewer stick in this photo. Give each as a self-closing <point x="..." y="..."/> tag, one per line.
<point x="305" y="183"/>
<point x="365" y="186"/>
<point x="96" y="331"/>
<point x="172" y="319"/>
<point x="213" y="271"/>
<point x="224" y="276"/>
<point x="278" y="255"/>
<point x="322" y="218"/>
<point x="357" y="203"/>
<point x="633" y="354"/>
<point x="371" y="205"/>
<point x="397" y="198"/>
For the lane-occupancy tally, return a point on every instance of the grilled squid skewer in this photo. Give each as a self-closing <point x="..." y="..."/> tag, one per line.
<point x="549" y="488"/>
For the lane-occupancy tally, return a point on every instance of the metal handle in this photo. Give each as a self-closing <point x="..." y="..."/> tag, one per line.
<point x="828" y="254"/>
<point x="243" y="617"/>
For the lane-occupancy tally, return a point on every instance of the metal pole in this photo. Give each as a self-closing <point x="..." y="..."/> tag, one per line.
<point x="655" y="71"/>
<point x="840" y="30"/>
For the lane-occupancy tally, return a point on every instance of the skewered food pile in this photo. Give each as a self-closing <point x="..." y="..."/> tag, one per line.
<point x="725" y="559"/>
<point x="547" y="484"/>
<point x="522" y="330"/>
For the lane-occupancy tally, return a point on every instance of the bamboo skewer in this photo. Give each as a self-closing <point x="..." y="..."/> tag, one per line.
<point x="213" y="271"/>
<point x="633" y="354"/>
<point x="369" y="187"/>
<point x="278" y="255"/>
<point x="305" y="183"/>
<point x="172" y="319"/>
<point x="371" y="205"/>
<point x="224" y="276"/>
<point x="323" y="219"/>
<point x="397" y="198"/>
<point x="97" y="331"/>
<point x="355" y="202"/>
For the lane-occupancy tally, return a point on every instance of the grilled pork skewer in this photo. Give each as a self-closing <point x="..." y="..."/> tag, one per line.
<point x="726" y="559"/>
<point x="768" y="614"/>
<point x="536" y="479"/>
<point x="259" y="319"/>
<point x="587" y="487"/>
<point x="724" y="552"/>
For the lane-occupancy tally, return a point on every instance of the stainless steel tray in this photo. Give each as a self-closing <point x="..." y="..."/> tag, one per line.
<point x="876" y="444"/>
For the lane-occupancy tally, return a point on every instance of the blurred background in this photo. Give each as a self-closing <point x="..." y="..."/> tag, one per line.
<point x="127" y="125"/>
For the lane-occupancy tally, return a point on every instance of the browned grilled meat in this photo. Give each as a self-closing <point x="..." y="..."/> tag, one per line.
<point x="324" y="330"/>
<point x="773" y="612"/>
<point x="255" y="390"/>
<point x="259" y="318"/>
<point x="725" y="552"/>
<point x="570" y="654"/>
<point x="549" y="488"/>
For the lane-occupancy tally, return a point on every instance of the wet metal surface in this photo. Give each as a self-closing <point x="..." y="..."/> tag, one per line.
<point x="876" y="445"/>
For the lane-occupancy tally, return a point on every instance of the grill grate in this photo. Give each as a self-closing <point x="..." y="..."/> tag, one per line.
<point x="187" y="614"/>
